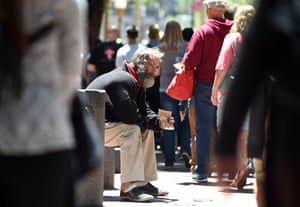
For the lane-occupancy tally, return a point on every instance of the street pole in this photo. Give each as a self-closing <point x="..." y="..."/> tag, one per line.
<point x="120" y="6"/>
<point x="105" y="14"/>
<point x="138" y="14"/>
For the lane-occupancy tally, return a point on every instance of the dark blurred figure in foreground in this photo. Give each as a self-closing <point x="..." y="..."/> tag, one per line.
<point x="225" y="64"/>
<point x="270" y="48"/>
<point x="257" y="137"/>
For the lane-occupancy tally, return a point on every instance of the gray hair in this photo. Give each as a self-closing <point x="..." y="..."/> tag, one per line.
<point x="138" y="63"/>
<point x="214" y="3"/>
<point x="141" y="54"/>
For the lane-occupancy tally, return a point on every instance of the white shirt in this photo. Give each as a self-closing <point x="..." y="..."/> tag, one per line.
<point x="126" y="52"/>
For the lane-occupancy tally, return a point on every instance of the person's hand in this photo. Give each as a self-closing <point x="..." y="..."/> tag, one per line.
<point x="214" y="97"/>
<point x="179" y="67"/>
<point x="182" y="115"/>
<point x="171" y="120"/>
<point x="168" y="123"/>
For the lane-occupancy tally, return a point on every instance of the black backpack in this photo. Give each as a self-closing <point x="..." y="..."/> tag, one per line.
<point x="230" y="75"/>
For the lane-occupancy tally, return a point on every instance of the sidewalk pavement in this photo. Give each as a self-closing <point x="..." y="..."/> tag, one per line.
<point x="185" y="192"/>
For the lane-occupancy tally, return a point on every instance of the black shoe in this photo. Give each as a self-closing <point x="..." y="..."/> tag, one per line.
<point x="186" y="158"/>
<point x="152" y="190"/>
<point x="135" y="195"/>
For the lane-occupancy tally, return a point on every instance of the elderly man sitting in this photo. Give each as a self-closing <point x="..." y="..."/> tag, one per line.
<point x="130" y="122"/>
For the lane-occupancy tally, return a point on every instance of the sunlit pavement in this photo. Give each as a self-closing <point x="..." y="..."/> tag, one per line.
<point x="183" y="191"/>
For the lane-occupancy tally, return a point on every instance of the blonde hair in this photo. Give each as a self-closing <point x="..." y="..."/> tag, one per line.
<point x="242" y="17"/>
<point x="172" y="37"/>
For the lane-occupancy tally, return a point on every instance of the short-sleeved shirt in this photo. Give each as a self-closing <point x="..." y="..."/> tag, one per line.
<point x="224" y="62"/>
<point x="103" y="56"/>
<point x="226" y="54"/>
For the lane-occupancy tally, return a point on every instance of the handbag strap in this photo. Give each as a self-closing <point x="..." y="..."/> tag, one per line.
<point x="234" y="46"/>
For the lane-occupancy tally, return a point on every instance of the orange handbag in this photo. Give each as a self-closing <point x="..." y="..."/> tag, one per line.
<point x="182" y="85"/>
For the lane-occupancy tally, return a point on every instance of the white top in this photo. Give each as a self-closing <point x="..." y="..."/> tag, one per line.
<point x="39" y="123"/>
<point x="126" y="52"/>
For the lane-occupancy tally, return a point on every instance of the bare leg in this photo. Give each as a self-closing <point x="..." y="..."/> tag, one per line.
<point x="193" y="135"/>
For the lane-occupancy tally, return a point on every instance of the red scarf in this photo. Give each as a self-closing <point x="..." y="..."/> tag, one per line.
<point x="133" y="73"/>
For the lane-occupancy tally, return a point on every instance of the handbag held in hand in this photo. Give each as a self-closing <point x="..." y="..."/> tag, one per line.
<point x="182" y="85"/>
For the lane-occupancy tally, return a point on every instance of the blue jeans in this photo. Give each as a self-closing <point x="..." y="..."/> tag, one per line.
<point x="205" y="116"/>
<point x="182" y="130"/>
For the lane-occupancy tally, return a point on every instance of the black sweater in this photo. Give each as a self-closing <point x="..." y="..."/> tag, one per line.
<point x="125" y="101"/>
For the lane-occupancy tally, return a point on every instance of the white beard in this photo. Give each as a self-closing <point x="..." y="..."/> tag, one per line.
<point x="148" y="82"/>
<point x="146" y="79"/>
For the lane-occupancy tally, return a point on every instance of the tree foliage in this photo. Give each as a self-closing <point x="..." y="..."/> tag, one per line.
<point x="182" y="4"/>
<point x="239" y="2"/>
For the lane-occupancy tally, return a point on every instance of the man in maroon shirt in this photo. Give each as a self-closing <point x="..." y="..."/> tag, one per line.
<point x="201" y="56"/>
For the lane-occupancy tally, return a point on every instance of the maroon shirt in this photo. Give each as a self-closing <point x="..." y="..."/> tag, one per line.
<point x="204" y="48"/>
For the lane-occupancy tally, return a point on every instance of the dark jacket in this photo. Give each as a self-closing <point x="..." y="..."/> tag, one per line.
<point x="125" y="100"/>
<point x="103" y="56"/>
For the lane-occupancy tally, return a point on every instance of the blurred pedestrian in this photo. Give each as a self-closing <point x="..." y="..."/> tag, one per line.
<point x="187" y="33"/>
<point x="270" y="48"/>
<point x="153" y="35"/>
<point x="40" y="45"/>
<point x="103" y="56"/>
<point x="257" y="138"/>
<point x="132" y="45"/>
<point x="230" y="11"/>
<point x="228" y="55"/>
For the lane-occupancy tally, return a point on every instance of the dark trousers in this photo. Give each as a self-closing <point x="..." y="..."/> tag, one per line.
<point x="283" y="154"/>
<point x="37" y="181"/>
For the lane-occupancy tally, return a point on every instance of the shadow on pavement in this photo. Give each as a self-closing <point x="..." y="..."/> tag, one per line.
<point x="156" y="199"/>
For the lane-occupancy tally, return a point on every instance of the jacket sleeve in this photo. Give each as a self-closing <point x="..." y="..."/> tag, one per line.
<point x="151" y="119"/>
<point x="123" y="104"/>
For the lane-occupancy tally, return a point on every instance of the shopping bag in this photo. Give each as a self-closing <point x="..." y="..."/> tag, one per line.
<point x="182" y="85"/>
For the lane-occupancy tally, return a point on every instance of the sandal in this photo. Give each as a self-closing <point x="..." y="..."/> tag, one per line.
<point x="240" y="178"/>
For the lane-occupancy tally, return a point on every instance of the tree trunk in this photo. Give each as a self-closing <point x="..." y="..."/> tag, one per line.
<point x="95" y="9"/>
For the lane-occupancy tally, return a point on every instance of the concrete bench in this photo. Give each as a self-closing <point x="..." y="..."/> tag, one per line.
<point x="111" y="166"/>
<point x="111" y="159"/>
<point x="89" y="189"/>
